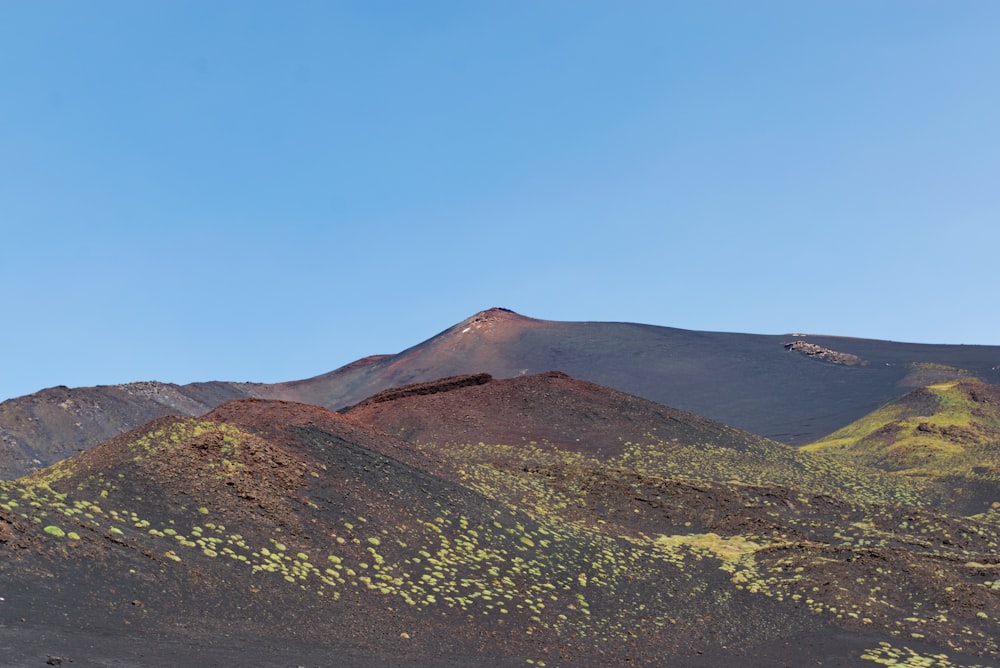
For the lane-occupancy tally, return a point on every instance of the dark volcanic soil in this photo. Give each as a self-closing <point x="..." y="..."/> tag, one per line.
<point x="43" y="428"/>
<point x="275" y="533"/>
<point x="749" y="381"/>
<point x="793" y="389"/>
<point x="549" y="407"/>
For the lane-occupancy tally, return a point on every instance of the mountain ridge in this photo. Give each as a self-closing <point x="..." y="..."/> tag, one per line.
<point x="753" y="382"/>
<point x="750" y="381"/>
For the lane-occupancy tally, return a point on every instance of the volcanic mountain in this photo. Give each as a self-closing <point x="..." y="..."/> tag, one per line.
<point x="793" y="388"/>
<point x="295" y="535"/>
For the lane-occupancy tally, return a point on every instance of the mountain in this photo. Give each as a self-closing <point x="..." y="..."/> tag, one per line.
<point x="287" y="534"/>
<point x="793" y="388"/>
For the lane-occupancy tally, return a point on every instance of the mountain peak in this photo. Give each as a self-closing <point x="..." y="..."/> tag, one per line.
<point x="500" y="310"/>
<point x="495" y="313"/>
<point x="492" y="320"/>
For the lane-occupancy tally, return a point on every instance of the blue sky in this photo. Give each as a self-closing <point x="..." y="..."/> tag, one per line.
<point x="268" y="190"/>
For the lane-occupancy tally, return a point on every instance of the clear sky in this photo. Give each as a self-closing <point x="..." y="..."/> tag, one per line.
<point x="268" y="190"/>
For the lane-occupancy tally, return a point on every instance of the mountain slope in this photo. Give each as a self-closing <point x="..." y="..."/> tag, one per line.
<point x="299" y="535"/>
<point x="948" y="432"/>
<point x="550" y="407"/>
<point x="291" y="531"/>
<point x="793" y="388"/>
<point x="42" y="428"/>
<point x="814" y="531"/>
<point x="274" y="521"/>
<point x="477" y="420"/>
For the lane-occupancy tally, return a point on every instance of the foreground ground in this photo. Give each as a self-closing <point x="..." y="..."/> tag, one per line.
<point x="532" y="521"/>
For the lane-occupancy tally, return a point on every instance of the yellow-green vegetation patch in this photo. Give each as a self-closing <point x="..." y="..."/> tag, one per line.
<point x="582" y="547"/>
<point x="767" y="463"/>
<point x="935" y="431"/>
<point x="731" y="549"/>
<point x="903" y="657"/>
<point x="851" y="434"/>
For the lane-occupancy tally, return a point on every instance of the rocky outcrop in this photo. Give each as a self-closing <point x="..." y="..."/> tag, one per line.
<point x="824" y="354"/>
<point x="433" y="387"/>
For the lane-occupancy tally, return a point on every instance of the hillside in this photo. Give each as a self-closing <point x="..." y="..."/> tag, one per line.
<point x="551" y="407"/>
<point x="292" y="534"/>
<point x="794" y="389"/>
<point x="552" y="415"/>
<point x="42" y="428"/>
<point x="947" y="432"/>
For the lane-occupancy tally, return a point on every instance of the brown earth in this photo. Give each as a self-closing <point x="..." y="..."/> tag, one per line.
<point x="550" y="407"/>
<point x="749" y="381"/>
<point x="42" y="428"/>
<point x="284" y="534"/>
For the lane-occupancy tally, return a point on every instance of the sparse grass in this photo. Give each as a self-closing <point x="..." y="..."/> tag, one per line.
<point x="572" y="547"/>
<point x="938" y="431"/>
